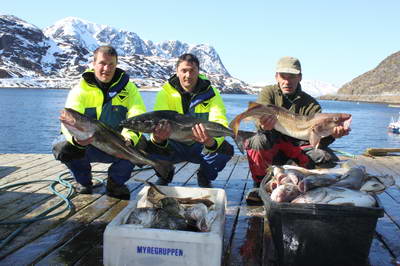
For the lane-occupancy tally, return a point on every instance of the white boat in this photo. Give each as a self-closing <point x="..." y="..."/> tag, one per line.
<point x="394" y="126"/>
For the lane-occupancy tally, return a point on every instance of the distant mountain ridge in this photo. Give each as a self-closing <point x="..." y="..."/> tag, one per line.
<point x="382" y="80"/>
<point x="60" y="53"/>
<point x="381" y="84"/>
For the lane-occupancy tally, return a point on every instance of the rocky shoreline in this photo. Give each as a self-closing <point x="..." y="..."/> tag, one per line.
<point x="387" y="99"/>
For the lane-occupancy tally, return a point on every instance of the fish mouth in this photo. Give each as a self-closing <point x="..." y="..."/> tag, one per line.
<point x="66" y="118"/>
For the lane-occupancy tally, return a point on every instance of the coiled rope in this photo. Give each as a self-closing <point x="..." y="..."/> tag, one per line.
<point x="65" y="199"/>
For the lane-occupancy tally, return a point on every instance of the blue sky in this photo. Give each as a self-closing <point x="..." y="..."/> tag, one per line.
<point x="335" y="41"/>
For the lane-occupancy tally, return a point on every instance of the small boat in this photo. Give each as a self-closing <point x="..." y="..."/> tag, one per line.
<point x="394" y="126"/>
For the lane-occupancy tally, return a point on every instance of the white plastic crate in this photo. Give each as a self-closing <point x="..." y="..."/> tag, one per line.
<point x="131" y="244"/>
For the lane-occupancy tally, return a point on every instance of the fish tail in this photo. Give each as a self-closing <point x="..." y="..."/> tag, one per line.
<point x="347" y="123"/>
<point x="150" y="184"/>
<point x="234" y="124"/>
<point x="241" y="138"/>
<point x="163" y="168"/>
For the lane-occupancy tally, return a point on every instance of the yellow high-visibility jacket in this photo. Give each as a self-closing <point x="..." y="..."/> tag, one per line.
<point x="206" y="104"/>
<point x="123" y="100"/>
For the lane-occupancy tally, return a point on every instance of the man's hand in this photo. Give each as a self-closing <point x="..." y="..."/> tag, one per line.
<point x="340" y="131"/>
<point x="84" y="142"/>
<point x="201" y="135"/>
<point x="162" y="132"/>
<point x="267" y="122"/>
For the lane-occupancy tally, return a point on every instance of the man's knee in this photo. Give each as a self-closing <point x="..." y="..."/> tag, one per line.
<point x="226" y="148"/>
<point x="65" y="151"/>
<point x="320" y="156"/>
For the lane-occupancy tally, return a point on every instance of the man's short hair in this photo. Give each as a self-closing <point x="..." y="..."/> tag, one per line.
<point x="105" y="49"/>
<point x="190" y="58"/>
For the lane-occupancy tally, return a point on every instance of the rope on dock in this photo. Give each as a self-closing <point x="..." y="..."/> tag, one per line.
<point x="347" y="154"/>
<point x="65" y="199"/>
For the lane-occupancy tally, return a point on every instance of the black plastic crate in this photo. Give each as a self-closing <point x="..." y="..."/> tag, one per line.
<point x="321" y="234"/>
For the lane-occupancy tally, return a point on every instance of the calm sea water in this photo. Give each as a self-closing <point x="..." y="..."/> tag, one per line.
<point x="29" y="120"/>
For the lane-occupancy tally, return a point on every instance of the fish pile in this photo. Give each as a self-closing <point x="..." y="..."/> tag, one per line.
<point x="172" y="213"/>
<point x="348" y="186"/>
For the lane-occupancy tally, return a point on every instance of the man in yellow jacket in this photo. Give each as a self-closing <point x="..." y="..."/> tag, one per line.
<point x="104" y="93"/>
<point x="191" y="93"/>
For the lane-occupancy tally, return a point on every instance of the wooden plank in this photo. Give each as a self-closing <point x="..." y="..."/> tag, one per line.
<point x="29" y="171"/>
<point x="234" y="189"/>
<point x="248" y="238"/>
<point x="375" y="168"/>
<point x="380" y="151"/>
<point x="95" y="230"/>
<point x="184" y="175"/>
<point x="52" y="236"/>
<point x="389" y="234"/>
<point x="11" y="159"/>
<point x="94" y="257"/>
<point x="41" y="227"/>
<point x="379" y="255"/>
<point x="269" y="256"/>
<point x="394" y="192"/>
<point x="18" y="192"/>
<point x="393" y="163"/>
<point x="83" y="242"/>
<point x="392" y="208"/>
<point x="247" y="242"/>
<point x="77" y="238"/>
<point x="25" y="167"/>
<point x="380" y="164"/>
<point x="31" y="194"/>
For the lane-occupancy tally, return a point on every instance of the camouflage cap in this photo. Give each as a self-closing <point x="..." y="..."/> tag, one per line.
<point x="288" y="64"/>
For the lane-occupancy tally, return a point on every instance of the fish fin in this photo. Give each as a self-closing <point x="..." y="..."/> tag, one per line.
<point x="346" y="123"/>
<point x="314" y="139"/>
<point x="150" y="184"/>
<point x="253" y="105"/>
<point x="234" y="124"/>
<point x="163" y="168"/>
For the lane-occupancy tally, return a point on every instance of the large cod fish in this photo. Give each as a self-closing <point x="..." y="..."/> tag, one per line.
<point x="108" y="140"/>
<point x="311" y="128"/>
<point x="181" y="126"/>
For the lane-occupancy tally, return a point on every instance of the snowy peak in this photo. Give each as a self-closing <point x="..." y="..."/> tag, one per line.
<point x="89" y="35"/>
<point x="22" y="47"/>
<point x="64" y="50"/>
<point x="318" y="88"/>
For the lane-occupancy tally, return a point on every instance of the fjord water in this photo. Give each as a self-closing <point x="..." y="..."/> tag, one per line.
<point x="29" y="120"/>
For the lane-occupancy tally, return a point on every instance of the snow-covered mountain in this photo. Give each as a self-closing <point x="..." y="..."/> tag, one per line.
<point x="318" y="88"/>
<point x="58" y="55"/>
<point x="313" y="87"/>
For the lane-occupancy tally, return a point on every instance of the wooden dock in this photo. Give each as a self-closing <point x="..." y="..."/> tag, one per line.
<point x="75" y="237"/>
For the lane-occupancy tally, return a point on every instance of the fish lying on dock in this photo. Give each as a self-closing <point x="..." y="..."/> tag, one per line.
<point x="181" y="126"/>
<point x="311" y="128"/>
<point x="108" y="140"/>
